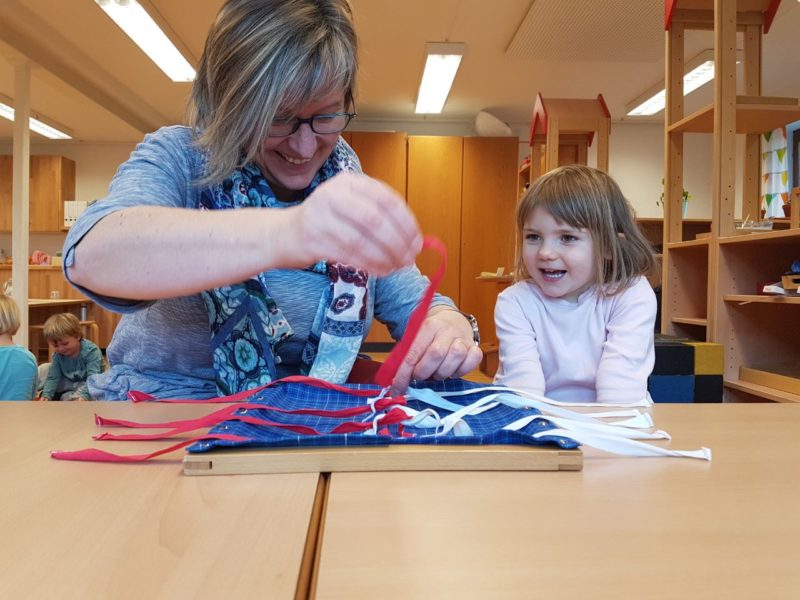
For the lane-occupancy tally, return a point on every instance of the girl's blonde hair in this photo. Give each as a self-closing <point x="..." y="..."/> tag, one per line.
<point x="9" y="315"/>
<point x="587" y="198"/>
<point x="60" y="326"/>
<point x="262" y="59"/>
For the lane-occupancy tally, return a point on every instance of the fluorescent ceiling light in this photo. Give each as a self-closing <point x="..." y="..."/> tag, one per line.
<point x="140" y="27"/>
<point x="35" y="125"/>
<point x="440" y="70"/>
<point x="695" y="78"/>
<point x="699" y="71"/>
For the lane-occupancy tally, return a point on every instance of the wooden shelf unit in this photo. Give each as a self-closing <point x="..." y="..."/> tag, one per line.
<point x="710" y="285"/>
<point x="756" y="330"/>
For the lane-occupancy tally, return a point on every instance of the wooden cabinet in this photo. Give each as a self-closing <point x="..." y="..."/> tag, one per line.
<point x="383" y="156"/>
<point x="488" y="231"/>
<point x="52" y="181"/>
<point x="462" y="190"/>
<point x="710" y="289"/>
<point x="435" y="171"/>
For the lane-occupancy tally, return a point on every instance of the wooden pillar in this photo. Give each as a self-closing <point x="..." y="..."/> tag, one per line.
<point x="751" y="175"/>
<point x="603" y="128"/>
<point x="551" y="158"/>
<point x="723" y="183"/>
<point x="673" y="151"/>
<point x="20" y="195"/>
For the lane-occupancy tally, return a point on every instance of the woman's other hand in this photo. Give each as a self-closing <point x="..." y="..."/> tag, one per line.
<point x="360" y="221"/>
<point x="443" y="348"/>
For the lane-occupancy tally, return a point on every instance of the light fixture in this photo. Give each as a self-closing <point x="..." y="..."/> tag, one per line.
<point x="440" y="70"/>
<point x="143" y="30"/>
<point x="700" y="70"/>
<point x="35" y="124"/>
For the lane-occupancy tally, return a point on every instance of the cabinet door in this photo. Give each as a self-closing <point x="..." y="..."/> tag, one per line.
<point x="382" y="156"/>
<point x="52" y="181"/>
<point x="488" y="231"/>
<point x="434" y="195"/>
<point x="6" y="201"/>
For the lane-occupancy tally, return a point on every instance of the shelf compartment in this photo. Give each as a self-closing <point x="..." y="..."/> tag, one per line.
<point x="761" y="391"/>
<point x="780" y="376"/>
<point x="758" y="333"/>
<point x="747" y="261"/>
<point x="689" y="321"/>
<point x="686" y="276"/>
<point x="782" y="236"/>
<point x="742" y="299"/>
<point x="754" y="114"/>
<point x="700" y="243"/>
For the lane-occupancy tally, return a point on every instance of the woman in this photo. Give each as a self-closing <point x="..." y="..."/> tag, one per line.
<point x="274" y="88"/>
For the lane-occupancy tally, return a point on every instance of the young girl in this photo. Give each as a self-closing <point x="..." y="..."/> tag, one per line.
<point x="17" y="365"/>
<point x="578" y="324"/>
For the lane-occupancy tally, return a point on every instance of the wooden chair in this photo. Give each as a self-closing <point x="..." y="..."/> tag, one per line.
<point x="89" y="329"/>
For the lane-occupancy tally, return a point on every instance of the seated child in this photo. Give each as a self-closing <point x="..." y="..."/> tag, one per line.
<point x="17" y="364"/>
<point x="578" y="323"/>
<point x="74" y="359"/>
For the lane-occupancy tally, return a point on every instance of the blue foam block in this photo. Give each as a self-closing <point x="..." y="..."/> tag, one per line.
<point x="671" y="388"/>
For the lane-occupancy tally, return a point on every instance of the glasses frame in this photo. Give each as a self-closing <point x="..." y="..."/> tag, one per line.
<point x="310" y="120"/>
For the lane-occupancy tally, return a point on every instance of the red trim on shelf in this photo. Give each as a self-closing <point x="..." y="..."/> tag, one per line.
<point x="769" y="14"/>
<point x="540" y="116"/>
<point x="669" y="8"/>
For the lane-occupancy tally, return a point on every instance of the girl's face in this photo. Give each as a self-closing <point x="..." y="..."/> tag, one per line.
<point x="559" y="258"/>
<point x="290" y="163"/>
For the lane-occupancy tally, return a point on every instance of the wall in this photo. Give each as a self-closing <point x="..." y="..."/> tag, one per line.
<point x="95" y="165"/>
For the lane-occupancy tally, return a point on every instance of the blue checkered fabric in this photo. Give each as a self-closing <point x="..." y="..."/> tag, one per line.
<point x="487" y="426"/>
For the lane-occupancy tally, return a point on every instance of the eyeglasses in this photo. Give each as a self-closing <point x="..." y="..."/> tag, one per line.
<point x="320" y="124"/>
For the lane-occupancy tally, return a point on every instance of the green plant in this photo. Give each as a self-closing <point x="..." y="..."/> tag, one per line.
<point x="686" y="196"/>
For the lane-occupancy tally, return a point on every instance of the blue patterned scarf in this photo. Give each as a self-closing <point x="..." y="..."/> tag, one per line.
<point x="246" y="324"/>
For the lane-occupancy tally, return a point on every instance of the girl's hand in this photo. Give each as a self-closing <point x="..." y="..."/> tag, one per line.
<point x="443" y="348"/>
<point x="356" y="220"/>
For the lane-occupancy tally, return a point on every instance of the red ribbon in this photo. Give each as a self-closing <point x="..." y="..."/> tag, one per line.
<point x="388" y="370"/>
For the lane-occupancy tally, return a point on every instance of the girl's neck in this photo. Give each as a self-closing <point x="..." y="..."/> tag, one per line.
<point x="5" y="339"/>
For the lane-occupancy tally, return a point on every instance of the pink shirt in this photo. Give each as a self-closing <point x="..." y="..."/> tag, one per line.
<point x="598" y="349"/>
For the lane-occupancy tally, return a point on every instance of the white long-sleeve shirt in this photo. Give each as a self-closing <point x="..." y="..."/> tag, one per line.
<point x="598" y="349"/>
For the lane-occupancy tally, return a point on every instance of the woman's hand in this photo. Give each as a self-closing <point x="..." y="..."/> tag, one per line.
<point x="357" y="220"/>
<point x="443" y="348"/>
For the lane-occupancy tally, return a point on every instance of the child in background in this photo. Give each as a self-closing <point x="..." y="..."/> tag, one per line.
<point x="17" y="364"/>
<point x="578" y="323"/>
<point x="74" y="359"/>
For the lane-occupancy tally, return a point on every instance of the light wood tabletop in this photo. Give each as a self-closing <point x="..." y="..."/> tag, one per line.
<point x="93" y="530"/>
<point x="621" y="528"/>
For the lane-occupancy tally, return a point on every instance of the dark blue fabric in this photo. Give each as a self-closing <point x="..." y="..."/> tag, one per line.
<point x="487" y="427"/>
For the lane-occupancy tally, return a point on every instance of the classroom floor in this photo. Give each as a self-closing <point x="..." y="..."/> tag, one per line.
<point x="476" y="375"/>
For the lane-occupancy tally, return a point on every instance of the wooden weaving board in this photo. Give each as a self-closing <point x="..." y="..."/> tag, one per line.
<point x="382" y="458"/>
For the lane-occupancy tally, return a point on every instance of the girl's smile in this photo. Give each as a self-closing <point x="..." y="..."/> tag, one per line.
<point x="559" y="258"/>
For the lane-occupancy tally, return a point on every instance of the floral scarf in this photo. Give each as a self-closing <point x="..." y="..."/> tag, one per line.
<point x="246" y="324"/>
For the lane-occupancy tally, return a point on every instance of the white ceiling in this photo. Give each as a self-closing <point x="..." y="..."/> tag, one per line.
<point x="90" y="78"/>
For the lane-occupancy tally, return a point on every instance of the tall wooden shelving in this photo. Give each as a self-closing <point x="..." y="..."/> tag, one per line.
<point x="562" y="129"/>
<point x="710" y="285"/>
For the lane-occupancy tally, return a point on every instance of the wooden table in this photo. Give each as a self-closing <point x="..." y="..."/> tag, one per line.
<point x="90" y="530"/>
<point x="621" y="528"/>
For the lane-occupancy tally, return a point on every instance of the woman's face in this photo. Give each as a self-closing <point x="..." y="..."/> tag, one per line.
<point x="290" y="163"/>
